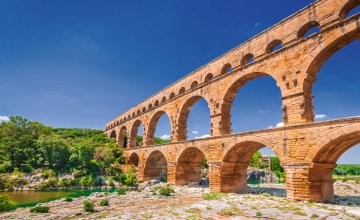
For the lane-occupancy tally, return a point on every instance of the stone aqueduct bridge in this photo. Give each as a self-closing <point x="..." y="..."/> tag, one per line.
<point x="307" y="150"/>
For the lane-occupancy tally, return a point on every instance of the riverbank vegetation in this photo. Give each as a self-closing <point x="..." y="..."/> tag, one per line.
<point x="31" y="152"/>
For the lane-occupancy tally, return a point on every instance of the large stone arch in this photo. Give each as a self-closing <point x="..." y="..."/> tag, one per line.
<point x="231" y="91"/>
<point x="183" y="115"/>
<point x="235" y="161"/>
<point x="155" y="166"/>
<point x="133" y="132"/>
<point x="188" y="166"/>
<point x="150" y="132"/>
<point x="340" y="37"/>
<point x="113" y="134"/>
<point x="134" y="159"/>
<point x="122" y="137"/>
<point x="347" y="7"/>
<point x="323" y="156"/>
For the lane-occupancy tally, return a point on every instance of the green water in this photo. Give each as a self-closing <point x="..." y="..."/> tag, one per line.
<point x="31" y="198"/>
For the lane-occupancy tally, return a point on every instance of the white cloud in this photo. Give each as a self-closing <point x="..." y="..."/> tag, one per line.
<point x="270" y="126"/>
<point x="320" y="116"/>
<point x="166" y="137"/>
<point x="257" y="24"/>
<point x="261" y="111"/>
<point x="203" y="136"/>
<point x="195" y="132"/>
<point x="4" y="118"/>
<point x="280" y="124"/>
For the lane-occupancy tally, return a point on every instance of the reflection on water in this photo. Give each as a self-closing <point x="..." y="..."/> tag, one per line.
<point x="29" y="198"/>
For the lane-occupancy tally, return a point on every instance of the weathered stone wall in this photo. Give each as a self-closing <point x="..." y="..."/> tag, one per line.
<point x="308" y="151"/>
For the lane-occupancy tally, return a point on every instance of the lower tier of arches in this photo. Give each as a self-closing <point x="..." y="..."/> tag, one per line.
<point x="308" y="153"/>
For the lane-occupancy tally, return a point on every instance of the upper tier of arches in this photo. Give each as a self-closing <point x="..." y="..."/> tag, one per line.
<point x="219" y="83"/>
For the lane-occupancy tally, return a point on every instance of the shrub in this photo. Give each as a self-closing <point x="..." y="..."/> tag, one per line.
<point x="259" y="214"/>
<point x="84" y="181"/>
<point x="68" y="199"/>
<point x="165" y="190"/>
<point x="48" y="173"/>
<point x="128" y="179"/>
<point x="5" y="204"/>
<point x="40" y="209"/>
<point x="104" y="202"/>
<point x="89" y="206"/>
<point x="122" y="191"/>
<point x="111" y="183"/>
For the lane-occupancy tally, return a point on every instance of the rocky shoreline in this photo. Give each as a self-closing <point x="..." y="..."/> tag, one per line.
<point x="266" y="201"/>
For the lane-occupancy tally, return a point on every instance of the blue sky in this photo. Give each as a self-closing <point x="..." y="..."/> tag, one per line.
<point x="81" y="63"/>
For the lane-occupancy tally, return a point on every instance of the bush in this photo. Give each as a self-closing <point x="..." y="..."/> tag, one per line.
<point x="165" y="190"/>
<point x="89" y="206"/>
<point x="111" y="183"/>
<point x="122" y="191"/>
<point x="259" y="214"/>
<point x="40" y="209"/>
<point x="5" y="204"/>
<point x="48" y="173"/>
<point x="104" y="202"/>
<point x="84" y="181"/>
<point x="68" y="199"/>
<point x="128" y="179"/>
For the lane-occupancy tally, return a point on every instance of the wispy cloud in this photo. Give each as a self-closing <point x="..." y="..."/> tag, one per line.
<point x="4" y="118"/>
<point x="257" y="25"/>
<point x="320" y="116"/>
<point x="166" y="137"/>
<point x="195" y="132"/>
<point x="203" y="136"/>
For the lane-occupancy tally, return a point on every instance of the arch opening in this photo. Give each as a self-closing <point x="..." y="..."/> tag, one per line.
<point x="247" y="59"/>
<point x="227" y="68"/>
<point x="324" y="168"/>
<point x="336" y="63"/>
<point x="351" y="8"/>
<point x="182" y="90"/>
<point x="194" y="85"/>
<point x="308" y="29"/>
<point x="208" y="77"/>
<point x="193" y="117"/>
<point x="156" y="167"/>
<point x="123" y="137"/>
<point x="136" y="135"/>
<point x="159" y="131"/>
<point x="172" y="95"/>
<point x="192" y="168"/>
<point x="252" y="103"/>
<point x="246" y="163"/>
<point x="134" y="159"/>
<point x="163" y="99"/>
<point x="273" y="46"/>
<point x="113" y="134"/>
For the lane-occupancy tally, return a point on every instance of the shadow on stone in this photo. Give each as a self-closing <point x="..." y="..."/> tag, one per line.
<point x="273" y="191"/>
<point x="347" y="200"/>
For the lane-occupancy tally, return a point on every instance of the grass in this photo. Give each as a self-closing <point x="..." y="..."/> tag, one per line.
<point x="104" y="202"/>
<point x="68" y="199"/>
<point x="259" y="214"/>
<point x="314" y="216"/>
<point x="89" y="206"/>
<point x="40" y="209"/>
<point x="212" y="196"/>
<point x="300" y="213"/>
